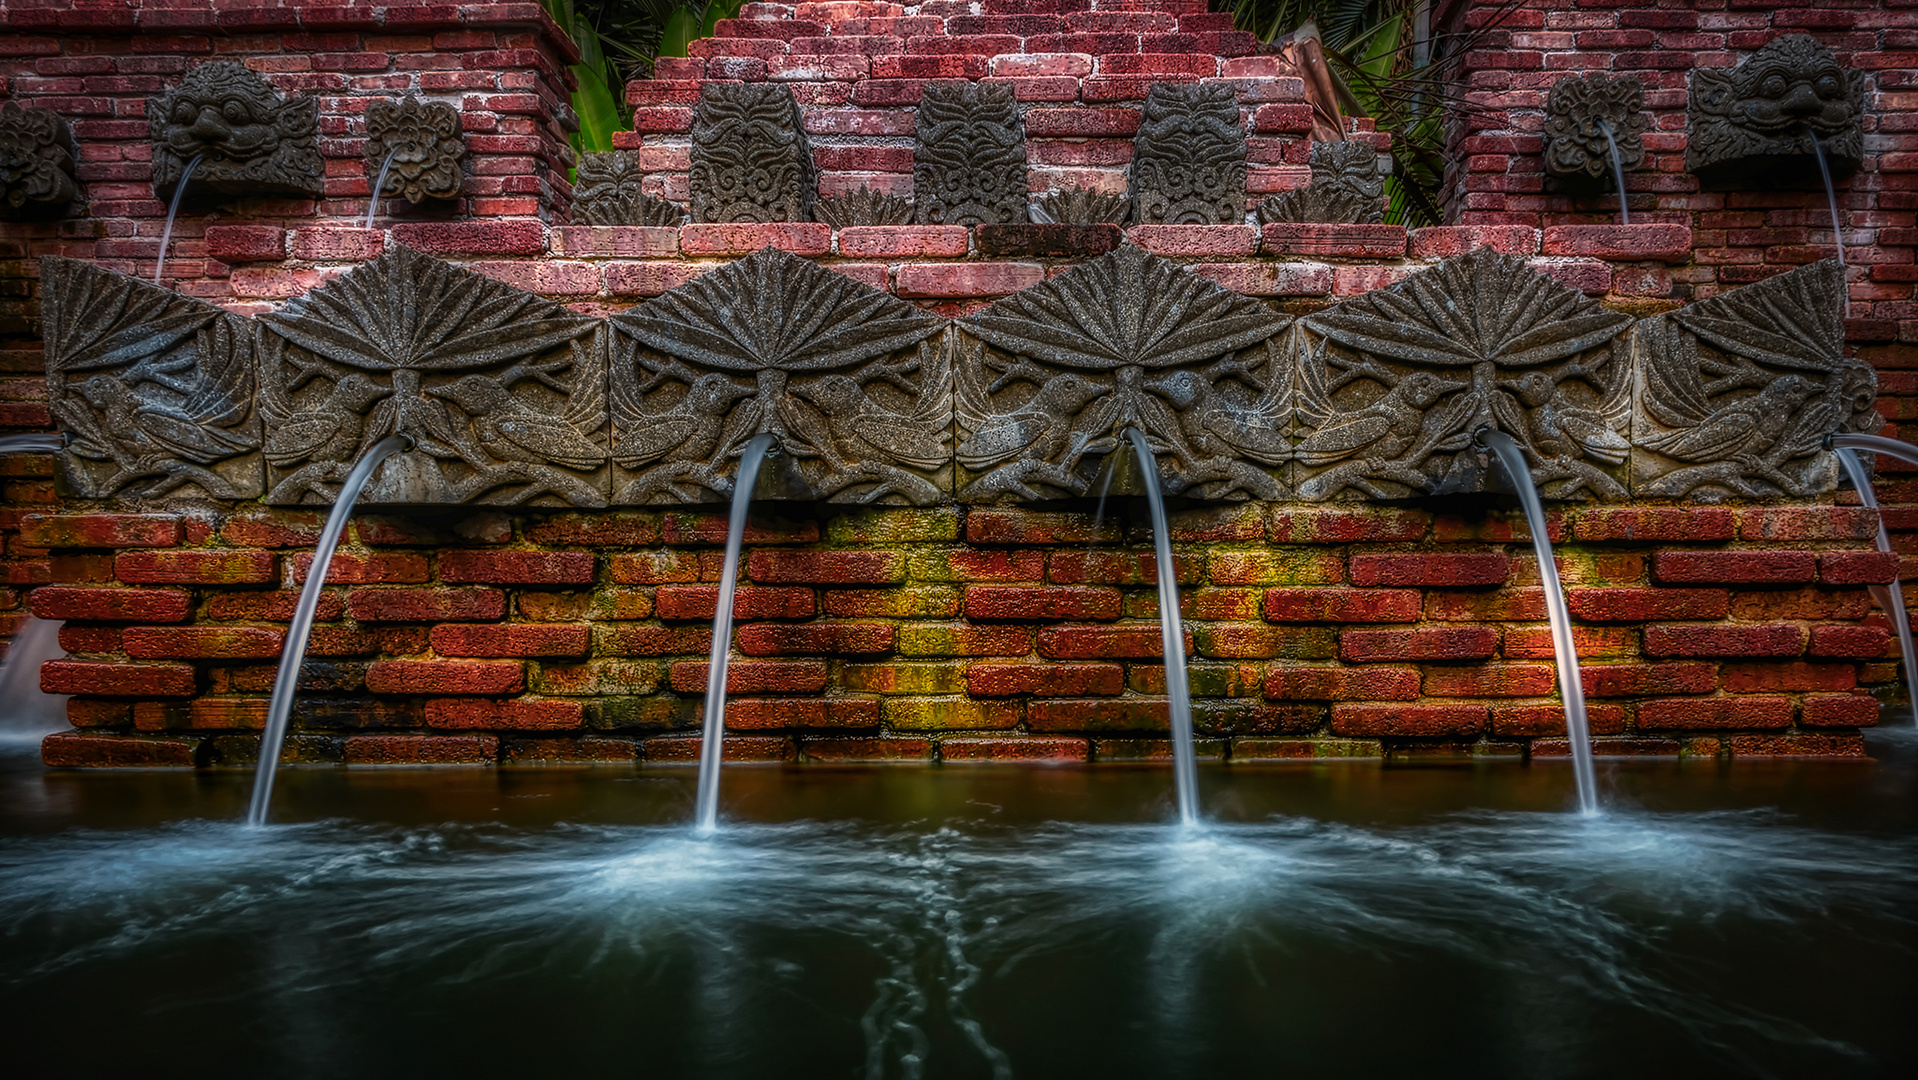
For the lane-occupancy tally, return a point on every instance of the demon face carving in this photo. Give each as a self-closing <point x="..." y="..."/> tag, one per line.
<point x="250" y="140"/>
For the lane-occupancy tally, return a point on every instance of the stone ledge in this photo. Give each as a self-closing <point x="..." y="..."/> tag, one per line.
<point x="1621" y="243"/>
<point x="1351" y="241"/>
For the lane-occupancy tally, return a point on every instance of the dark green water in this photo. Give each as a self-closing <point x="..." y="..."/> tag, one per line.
<point x="1342" y="920"/>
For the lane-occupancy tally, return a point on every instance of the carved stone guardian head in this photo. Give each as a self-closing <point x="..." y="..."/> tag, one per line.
<point x="423" y="139"/>
<point x="969" y="159"/>
<point x="1346" y="188"/>
<point x="608" y="192"/>
<point x="251" y="141"/>
<point x="1575" y="143"/>
<point x="36" y="164"/>
<point x="1767" y="110"/>
<point x="1188" y="159"/>
<point x="750" y="159"/>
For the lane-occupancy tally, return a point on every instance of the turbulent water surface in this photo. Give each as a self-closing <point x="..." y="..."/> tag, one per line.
<point x="1346" y="920"/>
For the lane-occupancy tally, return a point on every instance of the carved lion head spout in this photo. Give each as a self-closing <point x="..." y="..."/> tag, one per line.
<point x="250" y="140"/>
<point x="1768" y="109"/>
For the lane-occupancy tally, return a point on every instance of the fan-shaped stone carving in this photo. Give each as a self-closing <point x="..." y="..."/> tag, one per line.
<point x="750" y="160"/>
<point x="608" y="192"/>
<point x="1080" y="206"/>
<point x="1393" y="384"/>
<point x="863" y="207"/>
<point x="1577" y="114"/>
<point x="969" y="160"/>
<point x="36" y="164"/>
<point x="1740" y="390"/>
<point x="502" y="392"/>
<point x="423" y="141"/>
<point x="847" y="377"/>
<point x="1188" y="159"/>
<point x="1769" y="108"/>
<point x="154" y="389"/>
<point x="1050" y="378"/>
<point x="1346" y="188"/>
<point x="250" y="140"/>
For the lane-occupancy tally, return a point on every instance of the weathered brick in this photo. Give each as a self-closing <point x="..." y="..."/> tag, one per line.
<point x="370" y="568"/>
<point x="773" y="639"/>
<point x="1368" y="719"/>
<point x="963" y="639"/>
<point x="1654" y="523"/>
<point x="193" y="642"/>
<point x="1015" y="748"/>
<point x="1046" y="680"/>
<point x="509" y="640"/>
<point x="1865" y="641"/>
<point x="1639" y="680"/>
<point x="216" y="567"/>
<point x="474" y="604"/>
<point x="99" y="531"/>
<point x="74" y="750"/>
<point x="1773" y="639"/>
<point x="1424" y="643"/>
<point x="1711" y="713"/>
<point x="1487" y="568"/>
<point x="1299" y="683"/>
<point x="116" y="679"/>
<point x="517" y="567"/>
<point x="1732" y="567"/>
<point x="827" y="567"/>
<point x="754" y="676"/>
<point x="1075" y="642"/>
<point x="749" y="602"/>
<point x="1041" y="602"/>
<point x="485" y="714"/>
<point x="1342" y="605"/>
<point x="1642" y="605"/>
<point x="1491" y="680"/>
<point x="421" y="749"/>
<point x="110" y="605"/>
<point x="446" y="677"/>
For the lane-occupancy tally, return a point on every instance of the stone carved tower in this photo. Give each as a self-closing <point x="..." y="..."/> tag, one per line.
<point x="969" y="160"/>
<point x="750" y="160"/>
<point x="1188" y="160"/>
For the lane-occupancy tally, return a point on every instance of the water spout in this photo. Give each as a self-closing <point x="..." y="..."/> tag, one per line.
<point x="172" y="211"/>
<point x="286" y="684"/>
<point x="1178" y="693"/>
<point x="1851" y="450"/>
<point x="1577" y="727"/>
<point x="1618" y="172"/>
<point x="714" y="729"/>
<point x="373" y="200"/>
<point x="32" y="443"/>
<point x="26" y="711"/>
<point x="1837" y="233"/>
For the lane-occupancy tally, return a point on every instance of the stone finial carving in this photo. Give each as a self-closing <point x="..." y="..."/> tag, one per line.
<point x="846" y="376"/>
<point x="502" y="392"/>
<point x="1575" y="143"/>
<point x="154" y="389"/>
<point x="1740" y="390"/>
<point x="423" y="138"/>
<point x="1051" y="378"/>
<point x="608" y="193"/>
<point x="1080" y="206"/>
<point x="36" y="164"/>
<point x="1393" y="384"/>
<point x="1188" y="159"/>
<point x="251" y="140"/>
<point x="750" y="160"/>
<point x="969" y="158"/>
<point x="1346" y="188"/>
<point x="1771" y="106"/>
<point x="863" y="207"/>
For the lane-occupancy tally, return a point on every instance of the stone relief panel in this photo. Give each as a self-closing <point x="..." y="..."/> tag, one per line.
<point x="750" y="159"/>
<point x="1346" y="188"/>
<point x="153" y="389"/>
<point x="1393" y="384"/>
<point x="863" y="207"/>
<point x="1049" y="379"/>
<point x="251" y="141"/>
<point x="850" y="380"/>
<point x="422" y="139"/>
<point x="1577" y="114"/>
<point x="1080" y="206"/>
<point x="969" y="157"/>
<point x="502" y="392"/>
<point x="608" y="192"/>
<point x="37" y="153"/>
<point x="1773" y="105"/>
<point x="1188" y="159"/>
<point x="1740" y="390"/>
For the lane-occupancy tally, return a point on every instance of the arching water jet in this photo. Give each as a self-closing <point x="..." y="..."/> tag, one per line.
<point x="1178" y="692"/>
<point x="172" y="211"/>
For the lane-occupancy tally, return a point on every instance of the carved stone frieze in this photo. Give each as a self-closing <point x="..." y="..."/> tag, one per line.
<point x="1769" y="109"/>
<point x="1740" y="390"/>
<point x="423" y="140"/>
<point x="1346" y="188"/>
<point x="969" y="157"/>
<point x="153" y="389"/>
<point x="608" y="193"/>
<point x="502" y="392"/>
<point x="1577" y="114"/>
<point x="850" y="380"/>
<point x="1393" y="384"/>
<point x="251" y="141"/>
<point x="863" y="207"/>
<point x="37" y="153"/>
<point x="1188" y="159"/>
<point x="1049" y="379"/>
<point x="750" y="159"/>
<point x="1080" y="206"/>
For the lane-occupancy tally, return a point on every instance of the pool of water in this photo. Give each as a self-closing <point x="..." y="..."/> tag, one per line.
<point x="1749" y="919"/>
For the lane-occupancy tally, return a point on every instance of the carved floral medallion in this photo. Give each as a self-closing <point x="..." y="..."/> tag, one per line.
<point x="36" y="164"/>
<point x="423" y="141"/>
<point x="1188" y="159"/>
<point x="750" y="159"/>
<point x="969" y="157"/>
<point x="251" y="141"/>
<point x="1577" y="114"/>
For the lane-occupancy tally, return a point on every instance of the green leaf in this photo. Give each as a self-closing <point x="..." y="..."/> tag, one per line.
<point x="598" y="109"/>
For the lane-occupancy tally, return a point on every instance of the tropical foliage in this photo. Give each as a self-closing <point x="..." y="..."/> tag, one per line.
<point x="619" y="40"/>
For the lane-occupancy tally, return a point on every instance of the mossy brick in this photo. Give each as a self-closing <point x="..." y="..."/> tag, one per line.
<point x="1001" y="525"/>
<point x="1590" y="642"/>
<point x="1203" y="680"/>
<point x="1155" y="750"/>
<point x="1041" y="603"/>
<point x="1623" y="747"/>
<point x="1869" y="642"/>
<point x="1342" y="605"/>
<point x="473" y="603"/>
<point x="472" y="237"/>
<point x="81" y="639"/>
<point x="610" y="529"/>
<point x="652" y="640"/>
<point x="682" y="527"/>
<point x="1257" y="749"/>
<point x="421" y="749"/>
<point x="1493" y="527"/>
<point x="1206" y="605"/>
<point x="1453" y="569"/>
<point x="942" y="713"/>
<point x="211" y="567"/>
<point x="1260" y="641"/>
<point x="365" y="568"/>
<point x="117" y="680"/>
<point x="358" y="713"/>
<point x="196" y="642"/>
<point x="446" y="677"/>
<point x="1645" y="604"/>
<point x="749" y="602"/>
<point x="589" y="749"/>
<point x="910" y="602"/>
<point x="830" y="638"/>
<point x="1100" y="642"/>
<point x="1643" y="680"/>
<point x="1422" y="643"/>
<point x="931" y="525"/>
<point x="205" y="714"/>
<point x="1498" y="605"/>
<point x="1289" y="682"/>
<point x="1772" y="677"/>
<point x="753" y="676"/>
<point x="614" y="604"/>
<point x="89" y="750"/>
<point x="653" y="712"/>
<point x="1735" y="567"/>
<point x="1799" y="744"/>
<point x="1365" y="719"/>
<point x="884" y="748"/>
<point x="516" y="567"/>
<point x="85" y="712"/>
<point x="1045" y="680"/>
<point x="684" y="749"/>
<point x="520" y="714"/>
<point x="1739" y="639"/>
<point x="1713" y="713"/>
<point x="1839" y="710"/>
<point x="1817" y="604"/>
<point x="510" y="639"/>
<point x="835" y="712"/>
<point x="1807" y="523"/>
<point x="110" y="605"/>
<point x="1209" y="525"/>
<point x="1297" y="566"/>
<point x="970" y="564"/>
<point x="99" y="531"/>
<point x="1654" y="524"/>
<point x="1857" y="567"/>
<point x="657" y="567"/>
<point x="963" y="639"/>
<point x="597" y="677"/>
<point x="1339" y="526"/>
<point x="904" y="678"/>
<point x="1053" y="749"/>
<point x="1118" y="568"/>
<point x="1530" y="720"/>
<point x="1098" y="714"/>
<point x="1490" y="681"/>
<point x="826" y="567"/>
<point x="241" y="750"/>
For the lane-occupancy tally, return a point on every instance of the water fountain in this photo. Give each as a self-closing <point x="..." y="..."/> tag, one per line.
<point x="379" y="185"/>
<point x="172" y="211"/>
<point x="32" y="442"/>
<point x="1185" y="769"/>
<point x="1831" y="201"/>
<point x="1618" y="171"/>
<point x="1891" y="598"/>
